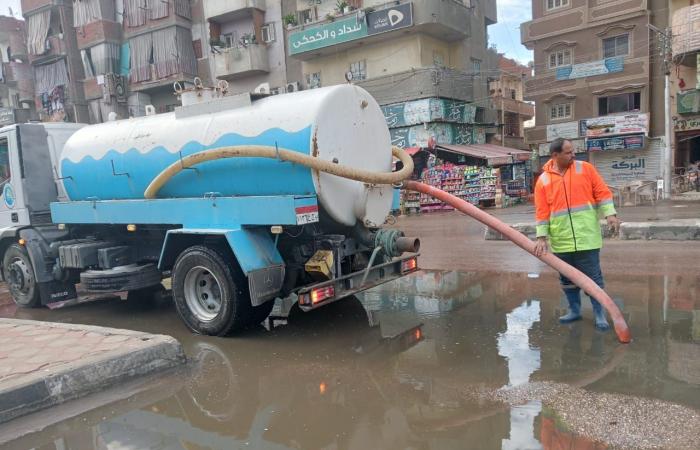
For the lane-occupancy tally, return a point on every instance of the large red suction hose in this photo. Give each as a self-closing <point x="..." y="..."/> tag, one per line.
<point x="573" y="274"/>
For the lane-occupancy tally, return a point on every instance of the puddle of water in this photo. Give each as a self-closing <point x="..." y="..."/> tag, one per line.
<point x="402" y="366"/>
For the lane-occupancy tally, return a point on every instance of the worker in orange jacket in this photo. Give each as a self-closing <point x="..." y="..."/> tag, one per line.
<point x="569" y="197"/>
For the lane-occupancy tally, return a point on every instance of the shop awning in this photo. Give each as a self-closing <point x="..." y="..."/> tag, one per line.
<point x="494" y="155"/>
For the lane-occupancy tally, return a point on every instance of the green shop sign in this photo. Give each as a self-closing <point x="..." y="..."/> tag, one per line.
<point x="333" y="33"/>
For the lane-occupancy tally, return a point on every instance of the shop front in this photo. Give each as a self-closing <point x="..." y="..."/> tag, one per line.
<point x="485" y="175"/>
<point x="687" y="134"/>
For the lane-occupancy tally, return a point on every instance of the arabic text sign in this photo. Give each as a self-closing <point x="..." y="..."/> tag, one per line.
<point x="616" y="125"/>
<point x="628" y="168"/>
<point x="328" y="34"/>
<point x="601" y="67"/>
<point x="399" y="16"/>
<point x="686" y="124"/>
<point x="7" y="116"/>
<point x="567" y="130"/>
<point x="634" y="142"/>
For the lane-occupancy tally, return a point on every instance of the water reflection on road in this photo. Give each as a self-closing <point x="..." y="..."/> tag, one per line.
<point x="399" y="367"/>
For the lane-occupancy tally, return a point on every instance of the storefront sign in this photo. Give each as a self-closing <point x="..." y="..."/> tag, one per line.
<point x="579" y="147"/>
<point x="567" y="130"/>
<point x="688" y="102"/>
<point x="344" y="30"/>
<point x="635" y="142"/>
<point x="686" y="124"/>
<point x="627" y="168"/>
<point x="7" y="116"/>
<point x="351" y="28"/>
<point x="399" y="16"/>
<point x="602" y="67"/>
<point x="441" y="133"/>
<point x="616" y="125"/>
<point x="428" y="110"/>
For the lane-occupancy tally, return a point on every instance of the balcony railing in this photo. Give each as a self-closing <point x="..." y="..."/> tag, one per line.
<point x="231" y="9"/>
<point x="241" y="61"/>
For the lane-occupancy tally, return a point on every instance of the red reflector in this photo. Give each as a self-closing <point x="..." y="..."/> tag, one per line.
<point x="320" y="294"/>
<point x="409" y="265"/>
<point x="418" y="334"/>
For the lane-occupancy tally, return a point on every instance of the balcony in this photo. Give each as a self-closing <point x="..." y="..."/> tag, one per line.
<point x="447" y="20"/>
<point x="239" y="62"/>
<point x="30" y="5"/>
<point x="524" y="109"/>
<point x="97" y="32"/>
<point x="686" y="24"/>
<point x="18" y="46"/>
<point x="688" y="102"/>
<point x="56" y="48"/>
<point x="225" y="10"/>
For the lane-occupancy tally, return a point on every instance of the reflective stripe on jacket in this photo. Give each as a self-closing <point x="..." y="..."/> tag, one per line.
<point x="568" y="207"/>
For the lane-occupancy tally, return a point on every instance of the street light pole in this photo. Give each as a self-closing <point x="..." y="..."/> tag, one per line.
<point x="665" y="38"/>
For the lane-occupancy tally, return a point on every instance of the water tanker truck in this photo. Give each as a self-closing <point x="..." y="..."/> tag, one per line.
<point x="120" y="206"/>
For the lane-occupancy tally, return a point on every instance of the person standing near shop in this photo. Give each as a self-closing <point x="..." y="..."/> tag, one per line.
<point x="569" y="196"/>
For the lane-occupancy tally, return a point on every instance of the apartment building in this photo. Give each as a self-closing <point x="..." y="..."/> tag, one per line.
<point x="597" y="81"/>
<point x="512" y="111"/>
<point x="427" y="62"/>
<point x="55" y="61"/>
<point x="245" y="45"/>
<point x="16" y="80"/>
<point x="685" y="23"/>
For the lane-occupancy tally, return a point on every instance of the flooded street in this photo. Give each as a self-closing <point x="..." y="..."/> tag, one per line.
<point x="437" y="360"/>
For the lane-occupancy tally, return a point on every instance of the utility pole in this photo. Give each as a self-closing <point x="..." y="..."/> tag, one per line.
<point x="665" y="38"/>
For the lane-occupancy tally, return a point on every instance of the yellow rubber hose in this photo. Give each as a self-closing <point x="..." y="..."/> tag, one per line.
<point x="261" y="151"/>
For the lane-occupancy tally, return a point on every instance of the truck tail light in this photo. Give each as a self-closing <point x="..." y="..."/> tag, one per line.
<point x="320" y="294"/>
<point x="409" y="265"/>
<point x="317" y="295"/>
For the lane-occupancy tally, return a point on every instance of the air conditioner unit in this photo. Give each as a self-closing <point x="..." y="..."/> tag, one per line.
<point x="120" y="88"/>
<point x="263" y="88"/>
<point x="293" y="87"/>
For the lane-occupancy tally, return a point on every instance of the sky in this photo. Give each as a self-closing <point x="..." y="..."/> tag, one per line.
<point x="505" y="34"/>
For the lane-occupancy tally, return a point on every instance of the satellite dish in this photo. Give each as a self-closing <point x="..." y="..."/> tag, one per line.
<point x="349" y="76"/>
<point x="263" y="88"/>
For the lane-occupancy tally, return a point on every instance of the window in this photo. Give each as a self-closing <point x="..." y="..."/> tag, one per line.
<point x="560" y="58"/>
<point x="313" y="80"/>
<point x="560" y="111"/>
<point x="268" y="33"/>
<point x="306" y="16"/>
<point x="556" y="4"/>
<point x="230" y="39"/>
<point x="619" y="103"/>
<point x="616" y="46"/>
<point x="476" y="67"/>
<point x="359" y="70"/>
<point x="4" y="162"/>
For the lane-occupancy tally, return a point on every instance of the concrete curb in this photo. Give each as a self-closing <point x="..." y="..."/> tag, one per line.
<point x="34" y="391"/>
<point x="671" y="230"/>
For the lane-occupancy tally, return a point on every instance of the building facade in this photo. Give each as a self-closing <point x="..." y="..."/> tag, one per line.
<point x="426" y="62"/>
<point x="55" y="60"/>
<point x="512" y="111"/>
<point x="685" y="23"/>
<point x="16" y="80"/>
<point x="597" y="82"/>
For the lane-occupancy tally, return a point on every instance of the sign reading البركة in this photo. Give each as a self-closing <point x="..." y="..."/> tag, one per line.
<point x="351" y="28"/>
<point x="601" y="67"/>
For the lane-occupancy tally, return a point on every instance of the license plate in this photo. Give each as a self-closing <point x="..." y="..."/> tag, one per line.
<point x="307" y="214"/>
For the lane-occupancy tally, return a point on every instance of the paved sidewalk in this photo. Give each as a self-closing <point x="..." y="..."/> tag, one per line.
<point x="43" y="364"/>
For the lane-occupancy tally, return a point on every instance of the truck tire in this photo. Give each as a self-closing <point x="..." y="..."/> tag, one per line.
<point x="125" y="278"/>
<point x="20" y="277"/>
<point x="210" y="296"/>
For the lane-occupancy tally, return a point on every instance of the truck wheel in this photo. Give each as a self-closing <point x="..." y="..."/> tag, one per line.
<point x="207" y="295"/>
<point x="20" y="277"/>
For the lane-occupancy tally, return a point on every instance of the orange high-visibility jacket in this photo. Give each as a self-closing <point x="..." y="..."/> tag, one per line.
<point x="568" y="207"/>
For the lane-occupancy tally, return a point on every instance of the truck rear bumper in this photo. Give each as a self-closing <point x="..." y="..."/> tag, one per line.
<point x="320" y="294"/>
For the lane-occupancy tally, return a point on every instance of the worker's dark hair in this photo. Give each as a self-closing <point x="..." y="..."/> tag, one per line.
<point x="557" y="146"/>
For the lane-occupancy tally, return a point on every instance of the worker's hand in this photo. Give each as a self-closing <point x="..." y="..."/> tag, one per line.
<point x="614" y="224"/>
<point x="541" y="247"/>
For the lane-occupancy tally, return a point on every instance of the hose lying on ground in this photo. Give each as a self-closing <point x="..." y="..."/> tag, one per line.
<point x="246" y="151"/>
